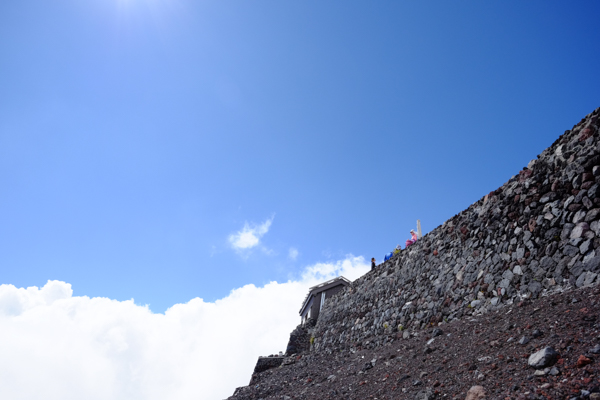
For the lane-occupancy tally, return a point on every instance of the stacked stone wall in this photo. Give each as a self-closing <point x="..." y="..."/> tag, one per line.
<point x="538" y="233"/>
<point x="265" y="363"/>
<point x="300" y="338"/>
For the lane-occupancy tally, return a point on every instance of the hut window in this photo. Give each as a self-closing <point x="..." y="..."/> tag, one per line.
<point x="322" y="301"/>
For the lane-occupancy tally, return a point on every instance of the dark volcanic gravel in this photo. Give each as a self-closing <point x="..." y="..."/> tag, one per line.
<point x="485" y="351"/>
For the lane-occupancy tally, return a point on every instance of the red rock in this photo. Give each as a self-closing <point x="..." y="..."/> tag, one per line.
<point x="583" y="361"/>
<point x="587" y="185"/>
<point x="555" y="185"/>
<point x="585" y="134"/>
<point x="532" y="224"/>
<point x="524" y="174"/>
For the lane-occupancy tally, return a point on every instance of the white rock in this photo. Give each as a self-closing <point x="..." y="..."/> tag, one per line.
<point x="476" y="393"/>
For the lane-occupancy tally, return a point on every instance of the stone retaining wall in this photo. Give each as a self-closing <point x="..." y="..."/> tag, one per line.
<point x="300" y="338"/>
<point x="537" y="233"/>
<point x="265" y="363"/>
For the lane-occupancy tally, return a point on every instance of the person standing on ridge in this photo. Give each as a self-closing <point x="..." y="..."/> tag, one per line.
<point x="373" y="263"/>
<point x="413" y="238"/>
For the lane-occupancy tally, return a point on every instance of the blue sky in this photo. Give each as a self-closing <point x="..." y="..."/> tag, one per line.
<point x="139" y="137"/>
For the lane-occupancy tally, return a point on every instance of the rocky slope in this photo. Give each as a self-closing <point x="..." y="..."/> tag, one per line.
<point x="491" y="351"/>
<point x="534" y="238"/>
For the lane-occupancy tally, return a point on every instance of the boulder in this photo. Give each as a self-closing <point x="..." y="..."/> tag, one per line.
<point x="476" y="393"/>
<point x="543" y="358"/>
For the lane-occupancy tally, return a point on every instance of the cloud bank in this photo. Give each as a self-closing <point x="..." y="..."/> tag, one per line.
<point x="249" y="236"/>
<point x="59" y="347"/>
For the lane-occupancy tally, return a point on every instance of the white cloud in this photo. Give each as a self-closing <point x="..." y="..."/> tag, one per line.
<point x="249" y="236"/>
<point x="293" y="253"/>
<point x="59" y="347"/>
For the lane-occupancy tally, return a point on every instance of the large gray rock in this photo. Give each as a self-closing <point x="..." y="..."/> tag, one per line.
<point x="535" y="287"/>
<point x="577" y="269"/>
<point x="570" y="251"/>
<point x="426" y="394"/>
<point x="566" y="231"/>
<point x="588" y="257"/>
<point x="547" y="262"/>
<point x="592" y="264"/>
<point x="504" y="283"/>
<point x="580" y="229"/>
<point x="579" y="216"/>
<point x="476" y="303"/>
<point x="580" y="196"/>
<point x="518" y="270"/>
<point x="508" y="275"/>
<point x="588" y="278"/>
<point x="592" y="215"/>
<point x="585" y="246"/>
<point x="543" y="358"/>
<point x="595" y="226"/>
<point x="581" y="280"/>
